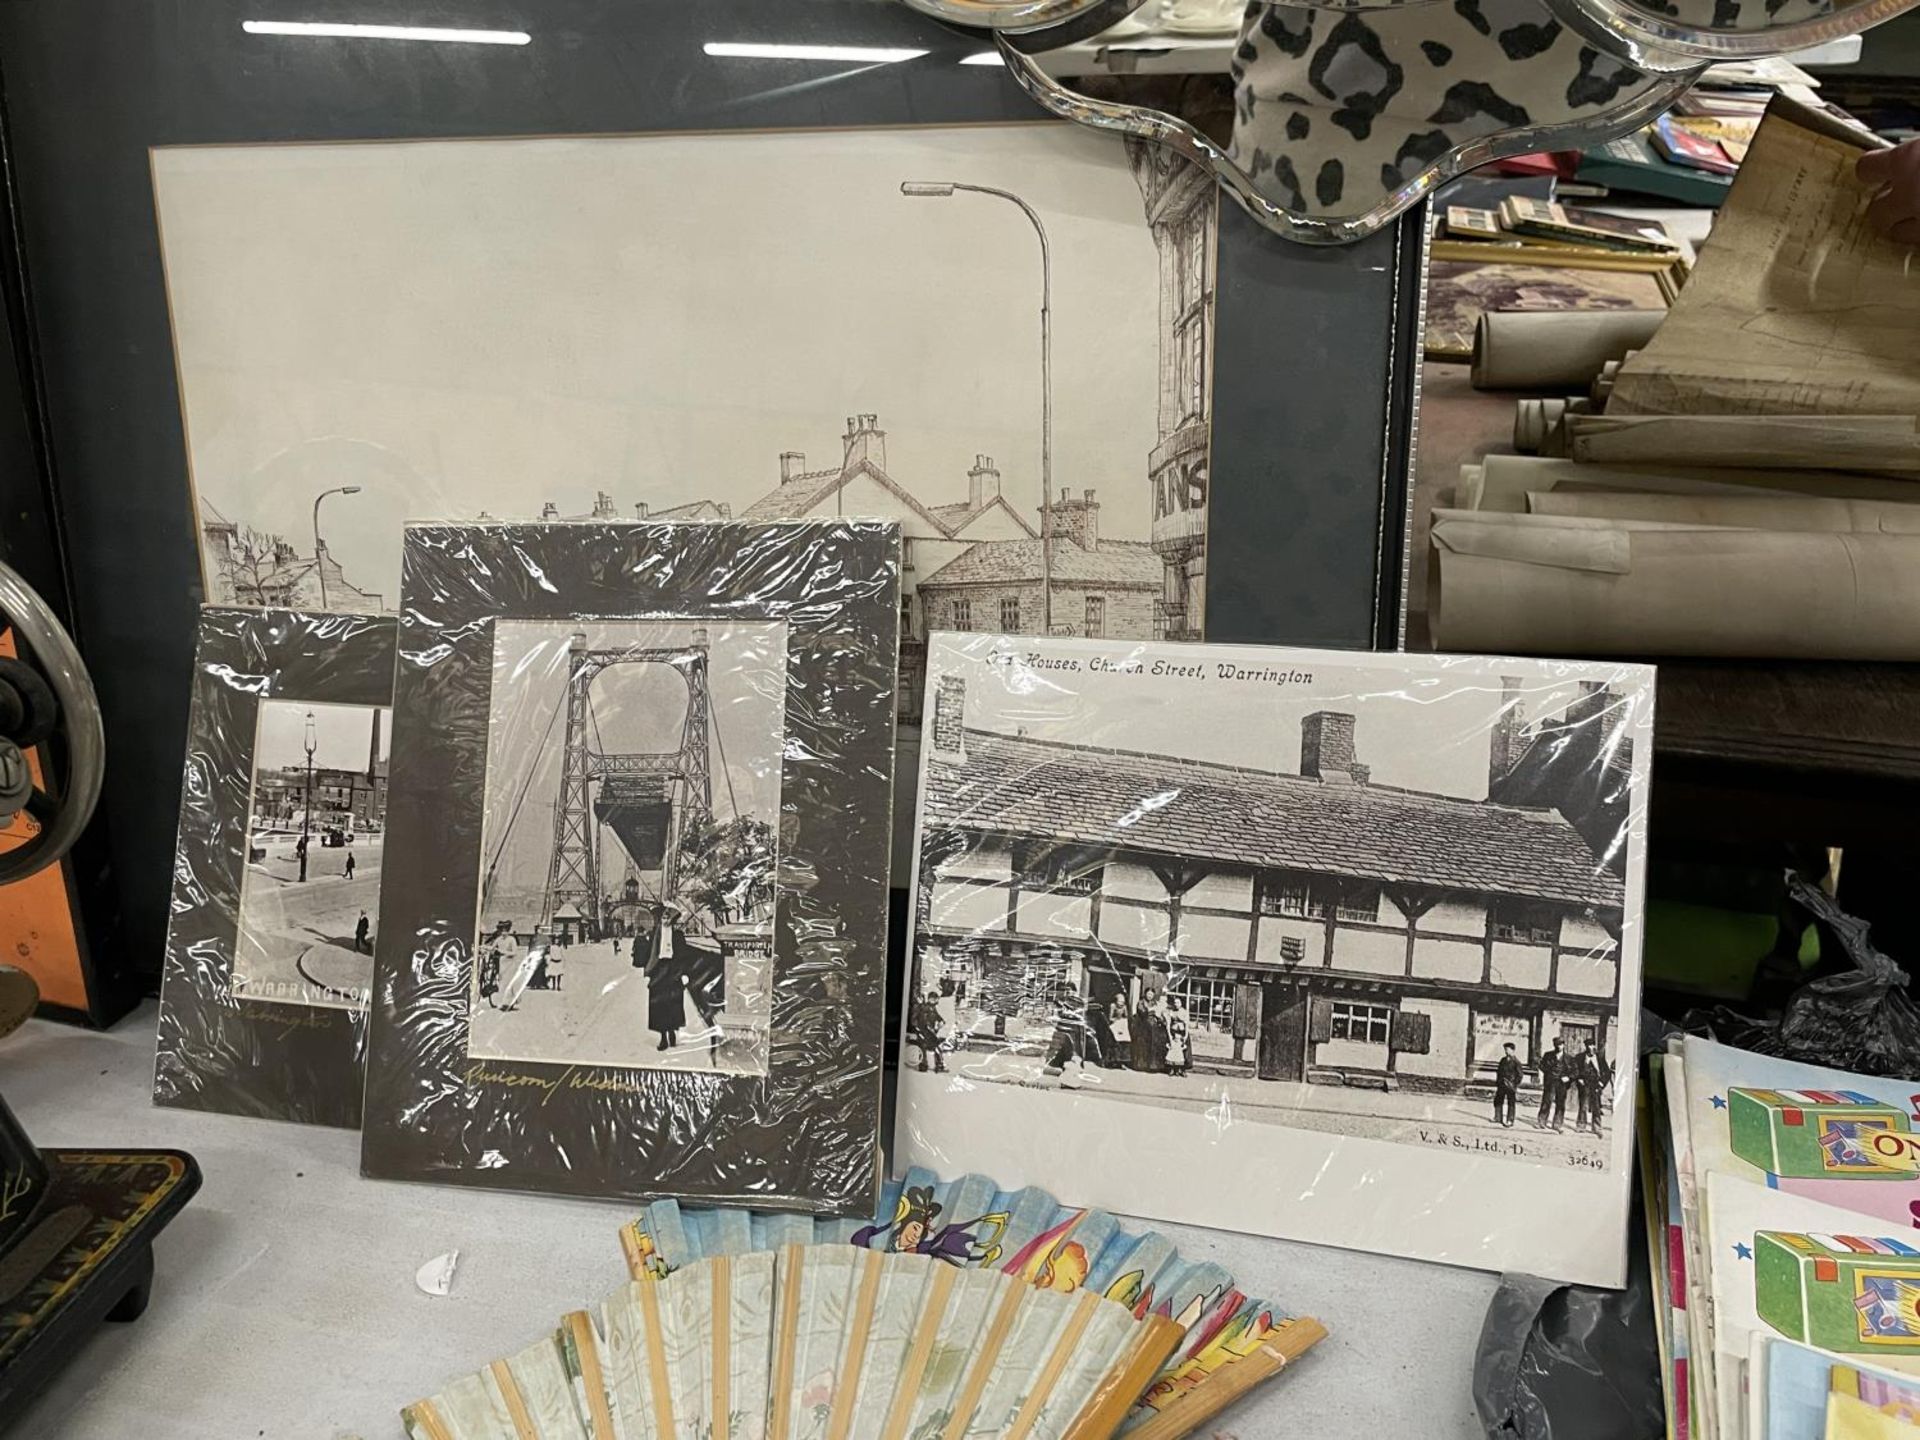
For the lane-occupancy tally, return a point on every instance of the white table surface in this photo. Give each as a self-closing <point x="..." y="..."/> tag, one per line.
<point x="284" y="1303"/>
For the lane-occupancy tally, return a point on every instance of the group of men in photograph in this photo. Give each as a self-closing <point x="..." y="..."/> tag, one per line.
<point x="1571" y="1070"/>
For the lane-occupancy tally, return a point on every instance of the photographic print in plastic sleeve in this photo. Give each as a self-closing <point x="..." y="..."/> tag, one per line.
<point x="1335" y="946"/>
<point x="639" y="947"/>
<point x="276" y="881"/>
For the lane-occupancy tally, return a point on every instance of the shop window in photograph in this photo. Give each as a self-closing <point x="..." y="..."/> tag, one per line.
<point x="1209" y="1004"/>
<point x="1525" y="922"/>
<point x="1367" y="1024"/>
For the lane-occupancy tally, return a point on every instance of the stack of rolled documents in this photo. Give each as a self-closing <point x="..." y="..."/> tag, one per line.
<point x="1705" y="540"/>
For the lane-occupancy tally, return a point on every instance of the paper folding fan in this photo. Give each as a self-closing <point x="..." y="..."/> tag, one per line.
<point x="1226" y="1341"/>
<point x="821" y="1342"/>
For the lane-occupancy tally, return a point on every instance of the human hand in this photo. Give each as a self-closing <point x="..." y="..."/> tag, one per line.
<point x="1895" y="177"/>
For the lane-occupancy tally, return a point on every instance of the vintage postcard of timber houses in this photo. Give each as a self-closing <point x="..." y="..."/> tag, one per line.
<point x="1309" y="921"/>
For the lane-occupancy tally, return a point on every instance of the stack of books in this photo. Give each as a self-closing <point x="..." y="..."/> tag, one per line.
<point x="1782" y="1202"/>
<point x="1525" y="231"/>
<point x="1715" y="144"/>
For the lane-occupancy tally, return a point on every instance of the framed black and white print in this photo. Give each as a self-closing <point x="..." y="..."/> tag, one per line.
<point x="1366" y="938"/>
<point x="276" y="880"/>
<point x="452" y="349"/>
<point x="636" y="943"/>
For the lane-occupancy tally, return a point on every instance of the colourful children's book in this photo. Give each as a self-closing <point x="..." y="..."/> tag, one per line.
<point x="1847" y="1140"/>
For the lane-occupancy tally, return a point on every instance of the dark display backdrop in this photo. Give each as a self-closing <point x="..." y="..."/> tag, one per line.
<point x="1315" y="356"/>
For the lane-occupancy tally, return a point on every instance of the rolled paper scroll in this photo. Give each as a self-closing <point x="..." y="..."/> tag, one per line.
<point x="1563" y="585"/>
<point x="1503" y="482"/>
<point x="1555" y="349"/>
<point x="1746" y="512"/>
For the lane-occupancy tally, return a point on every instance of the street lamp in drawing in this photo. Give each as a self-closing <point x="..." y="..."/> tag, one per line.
<point x="945" y="189"/>
<point x="306" y="811"/>
<point x="319" y="548"/>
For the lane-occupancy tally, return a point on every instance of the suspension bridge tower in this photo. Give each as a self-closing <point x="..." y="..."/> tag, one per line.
<point x="648" y="799"/>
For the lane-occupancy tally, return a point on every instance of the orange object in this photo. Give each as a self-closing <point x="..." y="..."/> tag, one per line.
<point x="39" y="929"/>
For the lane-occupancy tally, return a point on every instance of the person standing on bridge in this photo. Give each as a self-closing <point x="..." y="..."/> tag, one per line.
<point x="667" y="982"/>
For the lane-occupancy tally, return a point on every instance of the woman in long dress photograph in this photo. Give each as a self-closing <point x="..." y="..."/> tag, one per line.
<point x="667" y="984"/>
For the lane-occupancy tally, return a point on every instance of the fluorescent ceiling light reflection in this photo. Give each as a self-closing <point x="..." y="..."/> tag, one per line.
<point x="985" y="57"/>
<point x="385" y="32"/>
<point x="857" y="53"/>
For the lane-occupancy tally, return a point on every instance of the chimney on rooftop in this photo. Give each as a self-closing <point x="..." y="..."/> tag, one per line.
<point x="865" y="440"/>
<point x="949" y="720"/>
<point x="792" y="463"/>
<point x="1326" y="748"/>
<point x="1599" y="714"/>
<point x="983" y="482"/>
<point x="1504" y="752"/>
<point x="1077" y="520"/>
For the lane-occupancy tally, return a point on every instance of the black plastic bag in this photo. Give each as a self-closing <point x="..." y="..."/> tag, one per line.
<point x="1857" y="1018"/>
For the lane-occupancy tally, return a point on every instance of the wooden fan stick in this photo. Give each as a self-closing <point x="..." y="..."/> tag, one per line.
<point x="523" y="1426"/>
<point x="658" y="1380"/>
<point x="630" y="1247"/>
<point x="1124" y="1384"/>
<point x="846" y="1385"/>
<point x="426" y="1415"/>
<point x="593" y="1383"/>
<point x="1228" y="1384"/>
<point x="786" y="1339"/>
<point x="1063" y="1349"/>
<point x="989" y="1356"/>
<point x="933" y="1311"/>
<point x="722" y="1346"/>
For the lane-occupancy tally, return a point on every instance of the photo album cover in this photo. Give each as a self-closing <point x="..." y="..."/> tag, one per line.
<point x="1285" y="941"/>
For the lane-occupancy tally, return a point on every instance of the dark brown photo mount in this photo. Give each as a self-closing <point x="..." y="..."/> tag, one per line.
<point x="215" y="1052"/>
<point x="805" y="1136"/>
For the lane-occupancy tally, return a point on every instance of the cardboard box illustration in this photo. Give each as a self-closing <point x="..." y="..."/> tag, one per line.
<point x="1846" y="1293"/>
<point x="1813" y="1134"/>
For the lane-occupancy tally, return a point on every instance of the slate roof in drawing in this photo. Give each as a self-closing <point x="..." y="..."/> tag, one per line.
<point x="1000" y="562"/>
<point x="958" y="516"/>
<point x="795" y="497"/>
<point x="799" y="496"/>
<point x="1092" y="796"/>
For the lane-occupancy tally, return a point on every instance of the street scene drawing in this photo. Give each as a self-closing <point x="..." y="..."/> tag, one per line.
<point x="1334" y="906"/>
<point x="630" y="845"/>
<point x="310" y="892"/>
<point x="1000" y="337"/>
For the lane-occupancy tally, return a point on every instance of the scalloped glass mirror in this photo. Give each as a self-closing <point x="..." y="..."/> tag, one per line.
<point x="1346" y="113"/>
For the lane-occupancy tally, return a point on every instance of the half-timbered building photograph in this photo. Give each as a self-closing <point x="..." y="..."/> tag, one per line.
<point x="1314" y="906"/>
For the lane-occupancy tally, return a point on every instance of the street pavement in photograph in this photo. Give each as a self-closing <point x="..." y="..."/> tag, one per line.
<point x="1454" y="1122"/>
<point x="598" y="1015"/>
<point x="296" y="940"/>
